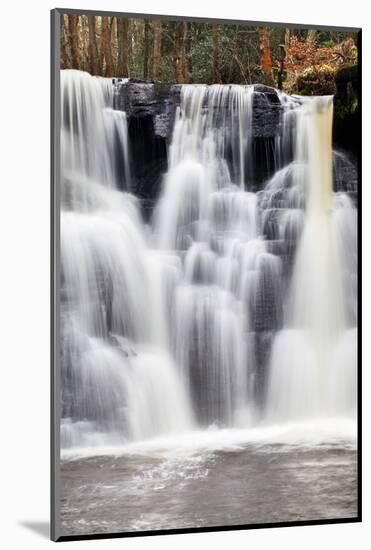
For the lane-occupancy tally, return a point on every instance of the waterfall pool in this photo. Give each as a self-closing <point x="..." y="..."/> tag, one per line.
<point x="236" y="486"/>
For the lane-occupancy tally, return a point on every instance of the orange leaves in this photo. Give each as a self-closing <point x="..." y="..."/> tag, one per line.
<point x="304" y="54"/>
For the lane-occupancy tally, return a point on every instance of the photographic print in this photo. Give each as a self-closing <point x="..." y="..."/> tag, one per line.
<point x="205" y="197"/>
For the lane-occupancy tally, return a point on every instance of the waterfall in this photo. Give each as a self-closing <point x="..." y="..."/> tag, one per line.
<point x="232" y="307"/>
<point x="308" y="376"/>
<point x="213" y="121"/>
<point x="119" y="380"/>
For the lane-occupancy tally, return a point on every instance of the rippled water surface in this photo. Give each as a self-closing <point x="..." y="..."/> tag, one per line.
<point x="161" y="490"/>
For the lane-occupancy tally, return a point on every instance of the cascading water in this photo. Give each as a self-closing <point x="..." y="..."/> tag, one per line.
<point x="231" y="308"/>
<point x="308" y="375"/>
<point x="119" y="381"/>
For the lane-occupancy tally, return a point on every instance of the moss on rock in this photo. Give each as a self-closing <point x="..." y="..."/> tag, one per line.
<point x="346" y="108"/>
<point x="317" y="81"/>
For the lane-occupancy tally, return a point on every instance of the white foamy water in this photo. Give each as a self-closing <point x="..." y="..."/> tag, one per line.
<point x="231" y="318"/>
<point x="314" y="359"/>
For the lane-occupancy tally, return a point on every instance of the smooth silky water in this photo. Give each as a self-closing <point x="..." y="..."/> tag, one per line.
<point x="169" y="419"/>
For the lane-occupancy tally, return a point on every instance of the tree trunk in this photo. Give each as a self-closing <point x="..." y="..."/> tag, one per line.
<point x="179" y="52"/>
<point x="311" y="36"/>
<point x="65" y="58"/>
<point x="287" y="38"/>
<point x="73" y="29"/>
<point x="234" y="44"/>
<point x="184" y="53"/>
<point x="146" y="49"/>
<point x="216" y="55"/>
<point x="95" y="68"/>
<point x="130" y="44"/>
<point x="106" y="46"/>
<point x="285" y="42"/>
<point x="188" y="48"/>
<point x="265" y="53"/>
<point x="157" y="26"/>
<point x="123" y="47"/>
<point x="282" y="68"/>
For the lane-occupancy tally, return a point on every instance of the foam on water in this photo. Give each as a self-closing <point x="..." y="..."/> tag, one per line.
<point x="230" y="319"/>
<point x="279" y="437"/>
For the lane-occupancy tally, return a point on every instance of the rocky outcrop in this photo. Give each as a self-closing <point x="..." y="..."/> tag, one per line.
<point x="266" y="112"/>
<point x="347" y="115"/>
<point x="143" y="98"/>
<point x="151" y="106"/>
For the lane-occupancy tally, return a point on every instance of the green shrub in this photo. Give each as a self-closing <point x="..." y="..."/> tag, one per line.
<point x="316" y="81"/>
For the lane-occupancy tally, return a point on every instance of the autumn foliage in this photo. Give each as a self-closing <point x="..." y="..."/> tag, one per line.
<point x="306" y="62"/>
<point x="296" y="60"/>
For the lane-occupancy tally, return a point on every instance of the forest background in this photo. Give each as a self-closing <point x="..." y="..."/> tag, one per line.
<point x="304" y="61"/>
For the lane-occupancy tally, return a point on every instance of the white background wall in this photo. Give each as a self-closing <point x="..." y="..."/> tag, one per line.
<point x="24" y="271"/>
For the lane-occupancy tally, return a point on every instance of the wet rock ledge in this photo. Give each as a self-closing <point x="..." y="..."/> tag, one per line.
<point x="151" y="106"/>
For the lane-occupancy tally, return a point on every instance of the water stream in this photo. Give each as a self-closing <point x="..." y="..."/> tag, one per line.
<point x="162" y="322"/>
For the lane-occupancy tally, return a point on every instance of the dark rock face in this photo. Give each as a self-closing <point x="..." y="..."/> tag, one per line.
<point x="347" y="114"/>
<point x="266" y="112"/>
<point x="345" y="175"/>
<point x="148" y="159"/>
<point x="266" y="119"/>
<point x="148" y="98"/>
<point x="141" y="98"/>
<point x="150" y="107"/>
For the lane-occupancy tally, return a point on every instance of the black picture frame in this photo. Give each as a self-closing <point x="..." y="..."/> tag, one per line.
<point x="55" y="286"/>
